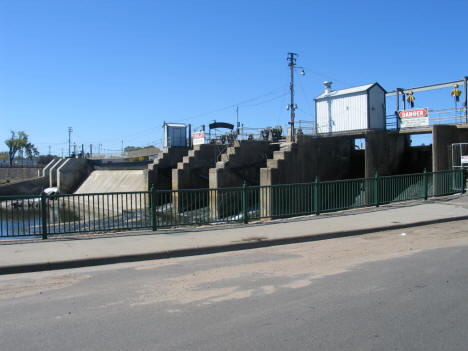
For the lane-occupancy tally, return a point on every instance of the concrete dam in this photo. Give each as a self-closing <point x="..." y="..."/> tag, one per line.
<point x="113" y="181"/>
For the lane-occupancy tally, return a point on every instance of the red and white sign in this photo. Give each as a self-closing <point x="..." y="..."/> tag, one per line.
<point x="414" y="118"/>
<point x="419" y="112"/>
<point x="464" y="159"/>
<point x="198" y="138"/>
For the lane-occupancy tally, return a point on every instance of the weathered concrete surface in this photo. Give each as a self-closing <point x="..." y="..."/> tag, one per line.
<point x="417" y="159"/>
<point x="25" y="187"/>
<point x="385" y="153"/>
<point x="192" y="173"/>
<point x="443" y="136"/>
<point x="241" y="163"/>
<point x="71" y="174"/>
<point x="160" y="172"/>
<point x="46" y="169"/>
<point x="53" y="171"/>
<point x="13" y="173"/>
<point x="108" y="181"/>
<point x="117" y="165"/>
<point x="328" y="158"/>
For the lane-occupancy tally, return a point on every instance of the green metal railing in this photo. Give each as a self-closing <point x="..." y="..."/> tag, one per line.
<point x="32" y="216"/>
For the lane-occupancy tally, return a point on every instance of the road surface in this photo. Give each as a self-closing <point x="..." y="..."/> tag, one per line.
<point x="394" y="290"/>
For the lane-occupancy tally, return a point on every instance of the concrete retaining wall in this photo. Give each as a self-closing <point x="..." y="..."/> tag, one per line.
<point x="46" y="169"/>
<point x="25" y="187"/>
<point x="53" y="171"/>
<point x="13" y="173"/>
<point x="241" y="163"/>
<point x="310" y="157"/>
<point x="160" y="172"/>
<point x="385" y="153"/>
<point x="327" y="158"/>
<point x="192" y="172"/>
<point x="443" y="136"/>
<point x="71" y="174"/>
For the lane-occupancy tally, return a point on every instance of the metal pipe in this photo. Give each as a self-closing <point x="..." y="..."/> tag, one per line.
<point x="465" y="81"/>
<point x="427" y="87"/>
<point x="397" y="112"/>
<point x="397" y="99"/>
<point x="190" y="135"/>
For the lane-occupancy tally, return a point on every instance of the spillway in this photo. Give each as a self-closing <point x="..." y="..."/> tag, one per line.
<point x="108" y="181"/>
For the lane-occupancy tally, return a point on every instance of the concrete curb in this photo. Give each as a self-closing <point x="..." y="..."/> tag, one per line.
<point x="98" y="261"/>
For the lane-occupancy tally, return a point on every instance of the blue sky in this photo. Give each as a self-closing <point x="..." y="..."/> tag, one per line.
<point x="115" y="70"/>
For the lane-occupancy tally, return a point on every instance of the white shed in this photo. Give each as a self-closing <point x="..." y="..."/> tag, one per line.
<point x="175" y="134"/>
<point x="357" y="108"/>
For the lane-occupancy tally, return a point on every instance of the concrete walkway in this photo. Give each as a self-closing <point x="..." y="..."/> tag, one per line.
<point x="71" y="251"/>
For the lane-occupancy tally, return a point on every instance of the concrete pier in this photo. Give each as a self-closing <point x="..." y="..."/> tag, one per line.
<point x="71" y="174"/>
<point x="241" y="163"/>
<point x="52" y="171"/>
<point x="160" y="172"/>
<point x="193" y="171"/>
<point x="385" y="153"/>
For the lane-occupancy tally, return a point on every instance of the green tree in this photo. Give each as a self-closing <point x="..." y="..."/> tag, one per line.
<point x="19" y="141"/>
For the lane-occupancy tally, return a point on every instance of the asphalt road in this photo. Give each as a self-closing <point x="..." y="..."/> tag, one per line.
<point x="384" y="291"/>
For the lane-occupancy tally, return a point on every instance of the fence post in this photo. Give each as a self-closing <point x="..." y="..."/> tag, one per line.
<point x="463" y="180"/>
<point x="376" y="190"/>
<point x="425" y="183"/>
<point x="44" y="215"/>
<point x="153" y="207"/>
<point x="316" y="196"/>
<point x="244" y="203"/>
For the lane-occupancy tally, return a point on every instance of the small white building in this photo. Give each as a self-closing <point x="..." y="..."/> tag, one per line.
<point x="175" y="134"/>
<point x="357" y="108"/>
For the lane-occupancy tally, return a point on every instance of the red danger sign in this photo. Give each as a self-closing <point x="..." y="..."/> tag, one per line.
<point x="420" y="112"/>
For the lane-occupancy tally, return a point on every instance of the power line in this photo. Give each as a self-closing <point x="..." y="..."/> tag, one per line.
<point x="269" y="100"/>
<point x="203" y="114"/>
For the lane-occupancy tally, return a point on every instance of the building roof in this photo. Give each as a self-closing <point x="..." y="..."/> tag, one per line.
<point x="348" y="91"/>
<point x="175" y="124"/>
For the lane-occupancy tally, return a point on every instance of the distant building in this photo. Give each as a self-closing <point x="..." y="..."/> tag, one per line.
<point x="357" y="108"/>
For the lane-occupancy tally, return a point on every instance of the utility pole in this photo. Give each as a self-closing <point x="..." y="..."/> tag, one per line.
<point x="70" y="130"/>
<point x="292" y="65"/>
<point x="49" y="150"/>
<point x="237" y="119"/>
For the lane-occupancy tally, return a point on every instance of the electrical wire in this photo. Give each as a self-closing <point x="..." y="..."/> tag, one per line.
<point x="203" y="114"/>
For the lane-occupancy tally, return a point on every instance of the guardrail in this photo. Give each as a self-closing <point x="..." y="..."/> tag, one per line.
<point x="456" y="115"/>
<point x="32" y="216"/>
